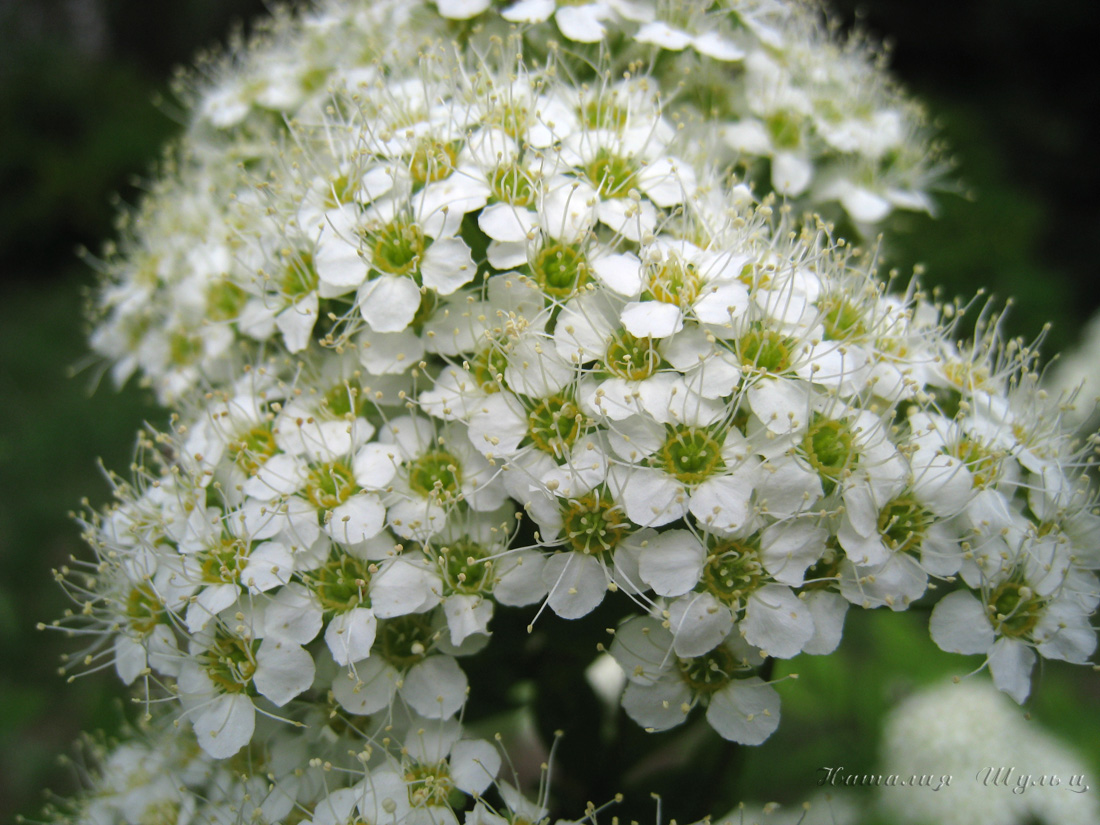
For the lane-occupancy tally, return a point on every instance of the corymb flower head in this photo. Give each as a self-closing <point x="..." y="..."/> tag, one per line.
<point x="471" y="309"/>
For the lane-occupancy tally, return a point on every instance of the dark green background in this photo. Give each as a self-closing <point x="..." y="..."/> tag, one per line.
<point x="1013" y="83"/>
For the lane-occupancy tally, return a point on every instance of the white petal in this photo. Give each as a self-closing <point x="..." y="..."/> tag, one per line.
<point x="721" y="304"/>
<point x="390" y="353"/>
<point x="661" y="34"/>
<point x="580" y="23"/>
<point x="529" y="11"/>
<point x="129" y="658"/>
<point x="270" y="565"/>
<point x="788" y="548"/>
<point x="509" y="255"/>
<point x="279" y="475"/>
<point x="447" y="265"/>
<point x="652" y="319"/>
<point x="467" y="616"/>
<point x="782" y="405"/>
<point x="435" y="688"/>
<point x="462" y="9"/>
<point x="403" y="586"/>
<point x="959" y="624"/>
<point x="340" y="268"/>
<point x="633" y="220"/>
<point x="722" y="502"/>
<point x="283" y="670"/>
<point x="828" y="610"/>
<point x="777" y="621"/>
<point x="296" y="322"/>
<point x="375" y="465"/>
<point x="791" y="173"/>
<point x="667" y="182"/>
<point x="507" y="223"/>
<point x="350" y="636"/>
<point x="474" y="765"/>
<point x="659" y="706"/>
<point x="576" y="584"/>
<point x="359" y="518"/>
<point x="568" y="209"/>
<point x="715" y="46"/>
<point x="621" y="273"/>
<point x="1010" y="663"/>
<point x="499" y="425"/>
<point x="699" y="623"/>
<point x="389" y="303"/>
<point x="226" y="725"/>
<point x="369" y="689"/>
<point x="653" y="498"/>
<point x="864" y="205"/>
<point x="294" y="614"/>
<point x="671" y="562"/>
<point x="520" y="578"/>
<point x="745" y="711"/>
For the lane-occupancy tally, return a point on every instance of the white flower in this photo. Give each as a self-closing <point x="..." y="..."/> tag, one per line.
<point x="662" y="689"/>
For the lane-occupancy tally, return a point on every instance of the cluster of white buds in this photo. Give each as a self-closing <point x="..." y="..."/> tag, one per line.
<point x="457" y="316"/>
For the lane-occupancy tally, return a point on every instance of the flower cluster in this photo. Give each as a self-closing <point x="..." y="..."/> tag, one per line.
<point x="759" y="88"/>
<point x="471" y="323"/>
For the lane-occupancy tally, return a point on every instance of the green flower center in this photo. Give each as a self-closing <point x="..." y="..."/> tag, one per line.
<point x="784" y="130"/>
<point x="842" y="319"/>
<point x="511" y="183"/>
<point x="341" y="584"/>
<point x="222" y="564"/>
<point x="903" y="523"/>
<point x="766" y="351"/>
<point x="436" y="474"/>
<point x="398" y="247"/>
<point x="611" y="174"/>
<point x="432" y="160"/>
<point x="429" y="784"/>
<point x="733" y="572"/>
<point x="674" y="282"/>
<point x="341" y="191"/>
<point x="602" y="114"/>
<point x="827" y="445"/>
<point x="1015" y="609"/>
<point x="632" y="358"/>
<point x="983" y="462"/>
<point x="465" y="567"/>
<point x="511" y="118"/>
<point x="299" y="277"/>
<point x="554" y="425"/>
<point x="343" y="399"/>
<point x="710" y="672"/>
<point x="230" y="662"/>
<point x="144" y="609"/>
<point x="560" y="270"/>
<point x="184" y="349"/>
<point x="251" y="450"/>
<point x="406" y="640"/>
<point x="690" y="454"/>
<point x="330" y="485"/>
<point x="487" y="368"/>
<point x="225" y="300"/>
<point x="594" y="524"/>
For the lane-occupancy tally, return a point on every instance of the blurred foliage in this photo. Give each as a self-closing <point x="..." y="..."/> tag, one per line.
<point x="1003" y="77"/>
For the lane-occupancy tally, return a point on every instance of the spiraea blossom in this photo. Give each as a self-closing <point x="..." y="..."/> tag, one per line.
<point x="470" y="331"/>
